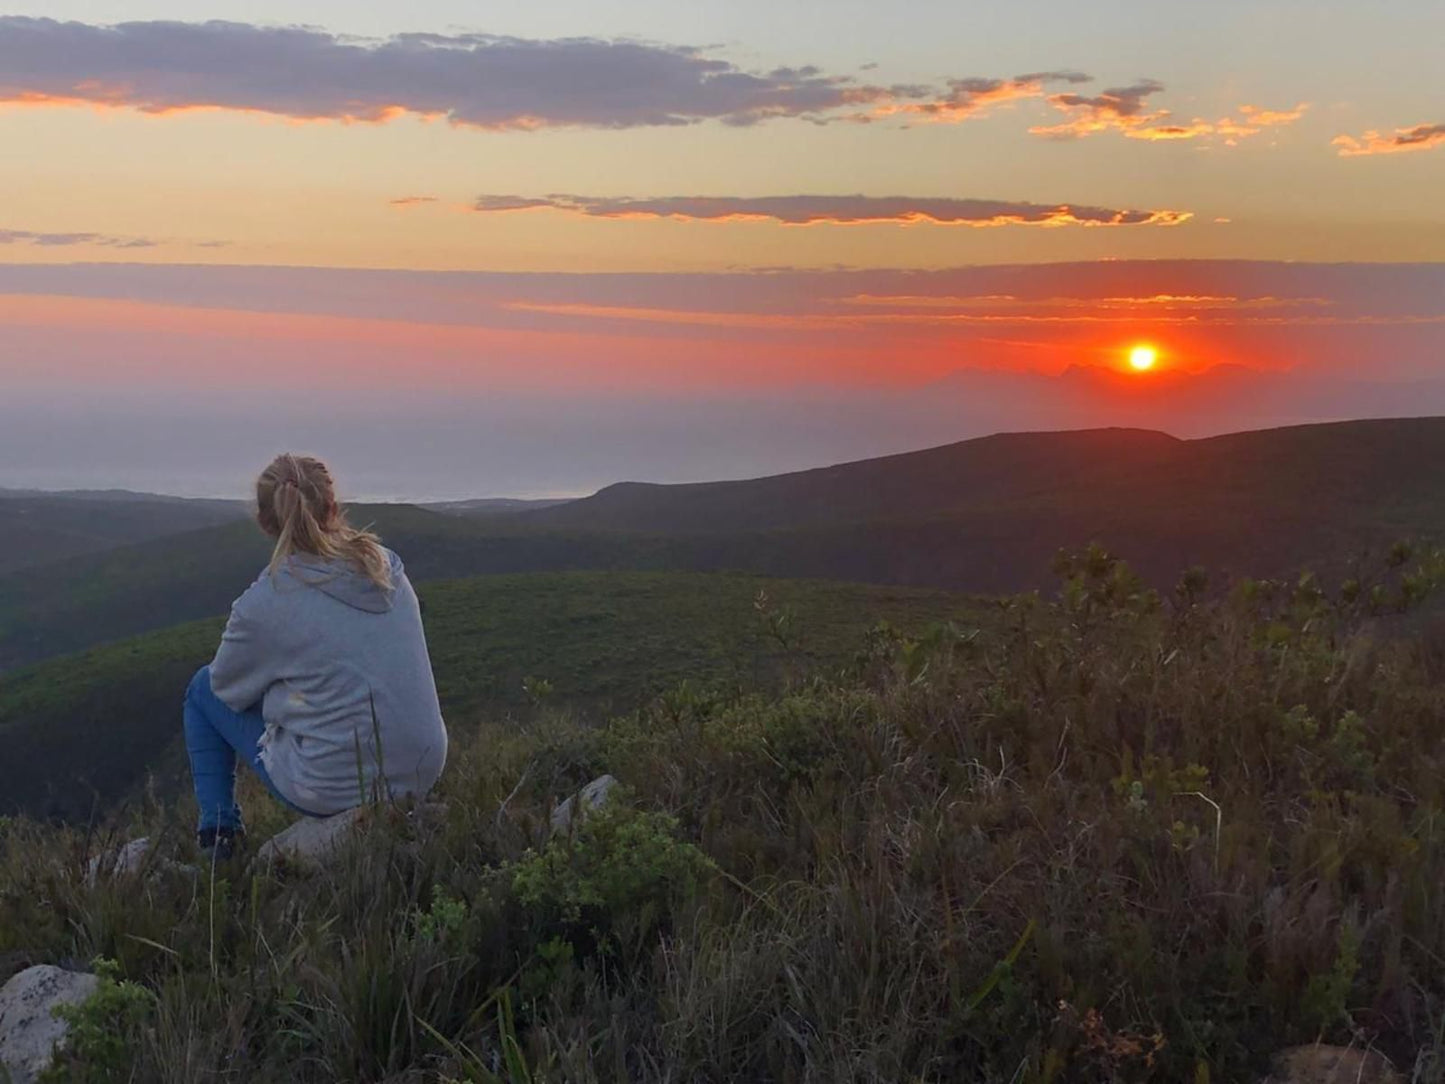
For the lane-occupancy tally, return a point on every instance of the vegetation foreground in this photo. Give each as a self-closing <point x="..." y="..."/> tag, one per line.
<point x="1109" y="837"/>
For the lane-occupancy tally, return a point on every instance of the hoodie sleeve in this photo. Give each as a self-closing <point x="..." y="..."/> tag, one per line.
<point x="245" y="665"/>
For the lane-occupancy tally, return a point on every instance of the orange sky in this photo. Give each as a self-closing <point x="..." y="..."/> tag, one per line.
<point x="650" y="202"/>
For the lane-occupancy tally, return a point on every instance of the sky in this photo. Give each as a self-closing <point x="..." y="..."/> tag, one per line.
<point x="531" y="249"/>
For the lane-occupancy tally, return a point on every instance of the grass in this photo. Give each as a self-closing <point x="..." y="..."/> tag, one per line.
<point x="1112" y="836"/>
<point x="100" y="721"/>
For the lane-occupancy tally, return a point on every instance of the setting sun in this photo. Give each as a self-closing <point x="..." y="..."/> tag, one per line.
<point x="1143" y="358"/>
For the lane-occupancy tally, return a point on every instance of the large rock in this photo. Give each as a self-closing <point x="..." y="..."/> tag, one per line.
<point x="312" y="840"/>
<point x="1320" y="1064"/>
<point x="590" y="798"/>
<point x="28" y="1030"/>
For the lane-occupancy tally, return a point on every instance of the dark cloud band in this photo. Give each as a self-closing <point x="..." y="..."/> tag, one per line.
<point x="836" y="210"/>
<point x="470" y="79"/>
<point x="59" y="240"/>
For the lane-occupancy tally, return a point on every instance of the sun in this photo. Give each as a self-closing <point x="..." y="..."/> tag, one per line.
<point x="1143" y="358"/>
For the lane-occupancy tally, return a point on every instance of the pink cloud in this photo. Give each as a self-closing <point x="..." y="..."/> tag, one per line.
<point x="809" y="210"/>
<point x="1419" y="138"/>
<point x="1127" y="110"/>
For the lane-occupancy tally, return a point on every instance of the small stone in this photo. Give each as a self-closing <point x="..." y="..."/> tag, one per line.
<point x="310" y="841"/>
<point x="589" y="799"/>
<point x="1321" y="1064"/>
<point x="29" y="1032"/>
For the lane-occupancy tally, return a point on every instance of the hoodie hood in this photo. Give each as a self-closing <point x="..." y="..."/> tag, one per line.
<point x="344" y="582"/>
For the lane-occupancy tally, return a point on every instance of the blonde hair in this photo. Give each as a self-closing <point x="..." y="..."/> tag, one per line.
<point x="296" y="505"/>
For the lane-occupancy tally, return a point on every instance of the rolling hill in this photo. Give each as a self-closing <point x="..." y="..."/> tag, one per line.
<point x="987" y="515"/>
<point x="68" y="605"/>
<point x="1347" y="469"/>
<point x="982" y="516"/>
<point x="39" y="528"/>
<point x="80" y="732"/>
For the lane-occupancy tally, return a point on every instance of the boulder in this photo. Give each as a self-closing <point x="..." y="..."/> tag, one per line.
<point x="1319" y="1064"/>
<point x="311" y="840"/>
<point x="29" y="1032"/>
<point x="589" y="799"/>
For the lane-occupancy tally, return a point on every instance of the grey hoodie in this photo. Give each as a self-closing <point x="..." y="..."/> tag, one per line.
<point x="319" y="646"/>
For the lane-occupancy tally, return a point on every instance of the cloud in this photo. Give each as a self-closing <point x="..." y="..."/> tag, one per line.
<point x="1419" y="138"/>
<point x="504" y="83"/>
<point x="967" y="98"/>
<point x="835" y="210"/>
<point x="57" y="240"/>
<point x="411" y="201"/>
<point x="1119" y="108"/>
<point x="1150" y="303"/>
<point x="478" y="80"/>
<point x="944" y="316"/>
<point x="1126" y="110"/>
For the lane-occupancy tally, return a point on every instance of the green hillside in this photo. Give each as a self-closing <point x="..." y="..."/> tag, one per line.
<point x="984" y="516"/>
<point x="81" y="731"/>
<point x="69" y="605"/>
<point x="40" y="528"/>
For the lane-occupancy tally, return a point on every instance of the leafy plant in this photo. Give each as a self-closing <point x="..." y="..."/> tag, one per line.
<point x="101" y="1037"/>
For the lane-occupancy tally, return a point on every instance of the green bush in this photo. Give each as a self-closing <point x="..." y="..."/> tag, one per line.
<point x="613" y="881"/>
<point x="101" y="1041"/>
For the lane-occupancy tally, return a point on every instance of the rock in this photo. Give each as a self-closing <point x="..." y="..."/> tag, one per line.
<point x="28" y="1031"/>
<point x="1320" y="1064"/>
<point x="131" y="859"/>
<point x="311" y="840"/>
<point x="588" y="799"/>
<point x="119" y="862"/>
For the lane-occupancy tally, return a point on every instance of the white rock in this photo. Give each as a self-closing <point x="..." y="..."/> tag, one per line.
<point x="28" y="1031"/>
<point x="131" y="859"/>
<point x="309" y="841"/>
<point x="119" y="862"/>
<point x="589" y="798"/>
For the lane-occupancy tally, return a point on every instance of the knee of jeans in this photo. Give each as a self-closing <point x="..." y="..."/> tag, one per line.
<point x="200" y="683"/>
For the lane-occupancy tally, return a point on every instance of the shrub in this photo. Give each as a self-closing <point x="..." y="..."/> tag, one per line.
<point x="101" y="1042"/>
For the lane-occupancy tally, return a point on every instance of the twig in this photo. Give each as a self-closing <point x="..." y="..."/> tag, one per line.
<point x="1218" y="820"/>
<point x="502" y="809"/>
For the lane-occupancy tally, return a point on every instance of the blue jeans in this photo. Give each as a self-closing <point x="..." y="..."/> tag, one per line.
<point x="215" y="735"/>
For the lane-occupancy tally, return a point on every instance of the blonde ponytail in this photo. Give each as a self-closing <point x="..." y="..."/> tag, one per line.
<point x="296" y="505"/>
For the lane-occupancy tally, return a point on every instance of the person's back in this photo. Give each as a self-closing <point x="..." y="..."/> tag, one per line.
<point x="322" y="680"/>
<point x="340" y="667"/>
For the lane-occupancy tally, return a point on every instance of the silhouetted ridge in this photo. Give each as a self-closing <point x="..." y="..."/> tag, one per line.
<point x="907" y="486"/>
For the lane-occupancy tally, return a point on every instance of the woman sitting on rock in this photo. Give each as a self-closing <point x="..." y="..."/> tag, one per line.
<point x="322" y="681"/>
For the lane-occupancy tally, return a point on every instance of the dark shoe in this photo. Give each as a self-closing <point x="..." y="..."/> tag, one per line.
<point x="220" y="844"/>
